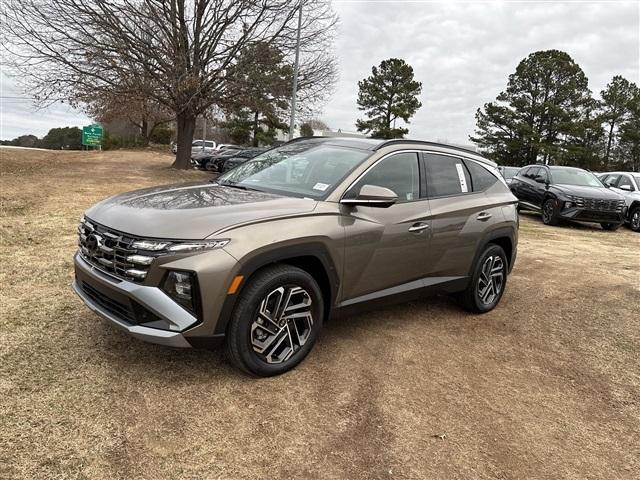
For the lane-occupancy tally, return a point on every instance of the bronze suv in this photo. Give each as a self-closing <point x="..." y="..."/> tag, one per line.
<point x="263" y="255"/>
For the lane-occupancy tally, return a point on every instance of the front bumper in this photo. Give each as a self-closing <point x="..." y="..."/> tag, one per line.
<point x="121" y="303"/>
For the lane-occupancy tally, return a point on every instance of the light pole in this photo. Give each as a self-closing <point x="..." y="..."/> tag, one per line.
<point x="292" y="119"/>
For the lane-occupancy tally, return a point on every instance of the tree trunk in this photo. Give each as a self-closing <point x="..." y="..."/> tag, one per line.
<point x="255" y="129"/>
<point x="606" y="153"/>
<point x="186" y="122"/>
<point x="144" y="131"/>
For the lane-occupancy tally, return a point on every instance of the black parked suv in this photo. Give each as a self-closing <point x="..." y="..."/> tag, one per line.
<point x="567" y="193"/>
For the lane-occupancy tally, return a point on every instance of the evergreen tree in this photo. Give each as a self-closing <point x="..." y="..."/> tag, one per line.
<point x="615" y="106"/>
<point x="629" y="144"/>
<point x="259" y="90"/>
<point x="533" y="117"/>
<point x="389" y="94"/>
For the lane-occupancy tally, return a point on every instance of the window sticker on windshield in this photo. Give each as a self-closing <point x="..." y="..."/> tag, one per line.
<point x="463" y="180"/>
<point x="321" y="186"/>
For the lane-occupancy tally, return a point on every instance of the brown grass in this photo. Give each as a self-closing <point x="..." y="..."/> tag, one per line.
<point x="545" y="386"/>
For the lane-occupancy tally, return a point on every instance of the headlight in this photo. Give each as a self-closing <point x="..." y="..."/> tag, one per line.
<point x="156" y="246"/>
<point x="180" y="286"/>
<point x="192" y="246"/>
<point x="150" y="245"/>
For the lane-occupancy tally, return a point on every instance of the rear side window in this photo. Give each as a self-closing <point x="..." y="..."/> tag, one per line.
<point x="481" y="178"/>
<point x="446" y="176"/>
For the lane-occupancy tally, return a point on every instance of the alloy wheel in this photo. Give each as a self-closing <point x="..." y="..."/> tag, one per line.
<point x="491" y="279"/>
<point x="283" y="324"/>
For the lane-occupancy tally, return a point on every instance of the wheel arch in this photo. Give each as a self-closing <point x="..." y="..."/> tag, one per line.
<point x="504" y="237"/>
<point x="313" y="258"/>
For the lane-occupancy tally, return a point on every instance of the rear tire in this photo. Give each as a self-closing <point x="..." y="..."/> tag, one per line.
<point x="488" y="281"/>
<point x="612" y="227"/>
<point x="264" y="338"/>
<point x="550" y="212"/>
<point x="634" y="219"/>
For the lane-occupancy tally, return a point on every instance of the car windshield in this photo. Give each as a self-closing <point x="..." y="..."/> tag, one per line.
<point x="300" y="169"/>
<point x="510" y="172"/>
<point x="571" y="176"/>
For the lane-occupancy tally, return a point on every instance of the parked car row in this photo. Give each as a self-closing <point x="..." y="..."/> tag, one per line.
<point x="574" y="194"/>
<point x="224" y="159"/>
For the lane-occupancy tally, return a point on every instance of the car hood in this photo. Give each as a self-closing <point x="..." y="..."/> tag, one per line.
<point x="191" y="211"/>
<point x="588" y="192"/>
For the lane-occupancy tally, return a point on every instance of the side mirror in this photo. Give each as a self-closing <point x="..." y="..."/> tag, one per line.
<point x="372" y="196"/>
<point x="626" y="188"/>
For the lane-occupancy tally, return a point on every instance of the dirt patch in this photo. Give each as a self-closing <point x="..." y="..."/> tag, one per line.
<point x="545" y="386"/>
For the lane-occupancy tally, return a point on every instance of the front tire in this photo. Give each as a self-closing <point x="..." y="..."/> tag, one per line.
<point x="487" y="282"/>
<point x="612" y="227"/>
<point x="275" y="322"/>
<point x="550" y="212"/>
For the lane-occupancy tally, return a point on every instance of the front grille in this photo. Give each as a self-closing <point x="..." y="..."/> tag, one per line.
<point x="595" y="204"/>
<point x="117" y="309"/>
<point x="110" y="251"/>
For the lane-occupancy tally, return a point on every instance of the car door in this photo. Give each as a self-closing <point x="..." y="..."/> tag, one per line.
<point x="458" y="215"/>
<point x="528" y="186"/>
<point x="539" y="186"/>
<point x="386" y="248"/>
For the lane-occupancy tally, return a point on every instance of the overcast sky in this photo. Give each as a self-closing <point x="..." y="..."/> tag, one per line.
<point x="462" y="52"/>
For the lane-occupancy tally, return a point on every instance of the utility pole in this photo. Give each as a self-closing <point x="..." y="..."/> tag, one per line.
<point x="292" y="120"/>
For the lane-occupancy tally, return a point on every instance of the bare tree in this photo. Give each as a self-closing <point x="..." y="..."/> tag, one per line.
<point x="182" y="48"/>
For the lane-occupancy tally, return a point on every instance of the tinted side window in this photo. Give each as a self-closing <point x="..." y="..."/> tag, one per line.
<point x="533" y="172"/>
<point x="481" y="178"/>
<point x="612" y="180"/>
<point x="446" y="176"/>
<point x="398" y="172"/>
<point x="542" y="174"/>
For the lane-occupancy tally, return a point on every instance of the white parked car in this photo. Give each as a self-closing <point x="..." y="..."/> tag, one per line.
<point x="197" y="146"/>
<point x="626" y="184"/>
<point x="206" y="146"/>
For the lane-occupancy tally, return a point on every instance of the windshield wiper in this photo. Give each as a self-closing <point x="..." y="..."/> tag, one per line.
<point x="232" y="184"/>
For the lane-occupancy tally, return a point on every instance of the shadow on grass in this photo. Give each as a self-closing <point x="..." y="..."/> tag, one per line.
<point x="187" y="366"/>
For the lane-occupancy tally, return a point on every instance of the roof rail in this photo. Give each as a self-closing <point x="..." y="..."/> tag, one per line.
<point x="424" y="142"/>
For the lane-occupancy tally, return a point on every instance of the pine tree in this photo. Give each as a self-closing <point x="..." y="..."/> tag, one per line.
<point x="541" y="107"/>
<point x="389" y="94"/>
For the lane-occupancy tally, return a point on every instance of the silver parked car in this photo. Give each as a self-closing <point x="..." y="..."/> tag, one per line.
<point x="626" y="184"/>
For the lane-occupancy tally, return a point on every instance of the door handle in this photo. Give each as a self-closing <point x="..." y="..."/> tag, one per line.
<point x="418" y="227"/>
<point x="484" y="216"/>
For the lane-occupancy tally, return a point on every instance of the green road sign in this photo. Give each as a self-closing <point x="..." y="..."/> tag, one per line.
<point x="92" y="135"/>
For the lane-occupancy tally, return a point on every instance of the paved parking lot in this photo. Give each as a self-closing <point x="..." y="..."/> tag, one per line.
<point x="545" y="386"/>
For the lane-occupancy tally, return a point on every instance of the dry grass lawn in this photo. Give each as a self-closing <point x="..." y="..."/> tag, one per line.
<point x="545" y="386"/>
